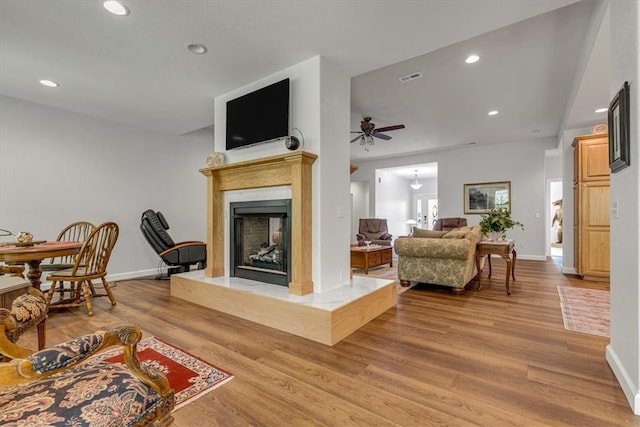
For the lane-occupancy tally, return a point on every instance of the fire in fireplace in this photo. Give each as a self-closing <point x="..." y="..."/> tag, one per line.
<point x="260" y="240"/>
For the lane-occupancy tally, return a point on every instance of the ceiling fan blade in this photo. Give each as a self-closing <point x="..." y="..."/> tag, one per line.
<point x="356" y="131"/>
<point x="388" y="128"/>
<point x="382" y="136"/>
<point x="356" y="138"/>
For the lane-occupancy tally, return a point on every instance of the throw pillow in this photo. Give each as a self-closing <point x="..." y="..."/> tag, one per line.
<point x="455" y="234"/>
<point x="420" y="232"/>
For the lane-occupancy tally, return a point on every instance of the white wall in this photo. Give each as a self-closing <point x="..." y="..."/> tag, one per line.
<point x="393" y="201"/>
<point x="522" y="163"/>
<point x="568" y="253"/>
<point x="624" y="348"/>
<point x="58" y="167"/>
<point x="320" y="96"/>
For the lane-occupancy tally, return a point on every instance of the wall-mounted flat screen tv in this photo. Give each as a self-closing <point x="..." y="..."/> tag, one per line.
<point x="259" y="116"/>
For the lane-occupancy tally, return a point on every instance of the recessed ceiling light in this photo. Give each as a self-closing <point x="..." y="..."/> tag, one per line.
<point x="197" y="48"/>
<point x="48" y="83"/>
<point x="602" y="110"/>
<point x="471" y="59"/>
<point x="116" y="7"/>
<point x="493" y="112"/>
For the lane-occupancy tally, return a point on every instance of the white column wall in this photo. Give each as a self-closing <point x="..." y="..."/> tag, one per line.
<point x="320" y="97"/>
<point x="623" y="352"/>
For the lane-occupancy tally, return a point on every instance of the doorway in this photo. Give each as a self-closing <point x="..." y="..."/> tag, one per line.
<point x="555" y="215"/>
<point x="426" y="210"/>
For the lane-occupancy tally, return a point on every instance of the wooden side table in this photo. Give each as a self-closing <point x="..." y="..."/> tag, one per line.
<point x="505" y="249"/>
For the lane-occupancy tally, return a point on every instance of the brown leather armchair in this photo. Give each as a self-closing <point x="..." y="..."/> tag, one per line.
<point x="448" y="224"/>
<point x="374" y="230"/>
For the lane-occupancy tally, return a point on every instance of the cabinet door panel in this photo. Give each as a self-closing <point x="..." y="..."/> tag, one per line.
<point x="591" y="206"/>
<point x="595" y="204"/>
<point x="595" y="160"/>
<point x="596" y="259"/>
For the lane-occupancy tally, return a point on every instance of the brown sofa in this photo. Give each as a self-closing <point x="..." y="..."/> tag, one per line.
<point x="438" y="257"/>
<point x="448" y="224"/>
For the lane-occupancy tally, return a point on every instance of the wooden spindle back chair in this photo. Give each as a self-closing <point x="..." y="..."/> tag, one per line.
<point x="76" y="232"/>
<point x="90" y="264"/>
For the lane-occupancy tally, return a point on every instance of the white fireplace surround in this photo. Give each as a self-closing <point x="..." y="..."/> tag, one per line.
<point x="248" y="195"/>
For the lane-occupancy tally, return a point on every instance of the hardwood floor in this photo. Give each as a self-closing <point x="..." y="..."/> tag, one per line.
<point x="480" y="359"/>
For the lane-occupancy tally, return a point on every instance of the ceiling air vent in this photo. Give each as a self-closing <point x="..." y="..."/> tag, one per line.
<point x="408" y="77"/>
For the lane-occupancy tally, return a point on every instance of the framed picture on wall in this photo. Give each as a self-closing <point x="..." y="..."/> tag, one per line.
<point x="481" y="198"/>
<point x="619" y="130"/>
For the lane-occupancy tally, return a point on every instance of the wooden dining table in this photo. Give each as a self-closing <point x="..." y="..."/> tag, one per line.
<point x="33" y="254"/>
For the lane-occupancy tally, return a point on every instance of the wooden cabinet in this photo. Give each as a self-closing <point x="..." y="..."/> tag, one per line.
<point x="591" y="207"/>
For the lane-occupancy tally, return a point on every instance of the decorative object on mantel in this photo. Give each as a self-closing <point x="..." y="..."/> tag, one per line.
<point x="496" y="222"/>
<point x="600" y="128"/>
<point x="215" y="159"/>
<point x="293" y="142"/>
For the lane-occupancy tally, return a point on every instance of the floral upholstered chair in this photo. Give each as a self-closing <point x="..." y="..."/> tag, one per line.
<point x="64" y="386"/>
<point x="27" y="310"/>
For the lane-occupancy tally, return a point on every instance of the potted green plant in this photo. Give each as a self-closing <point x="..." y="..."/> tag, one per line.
<point x="496" y="222"/>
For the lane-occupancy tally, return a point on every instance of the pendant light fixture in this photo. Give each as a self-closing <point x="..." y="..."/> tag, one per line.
<point x="415" y="184"/>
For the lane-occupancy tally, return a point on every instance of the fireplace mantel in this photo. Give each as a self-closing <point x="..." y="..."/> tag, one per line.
<point x="294" y="169"/>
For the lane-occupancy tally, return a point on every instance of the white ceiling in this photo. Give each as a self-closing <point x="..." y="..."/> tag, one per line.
<point x="136" y="69"/>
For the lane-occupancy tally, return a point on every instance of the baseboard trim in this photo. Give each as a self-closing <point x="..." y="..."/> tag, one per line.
<point x="114" y="277"/>
<point x="569" y="270"/>
<point x="532" y="257"/>
<point x="131" y="275"/>
<point x="629" y="389"/>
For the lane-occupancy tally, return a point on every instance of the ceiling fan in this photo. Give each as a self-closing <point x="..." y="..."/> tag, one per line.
<point x="368" y="131"/>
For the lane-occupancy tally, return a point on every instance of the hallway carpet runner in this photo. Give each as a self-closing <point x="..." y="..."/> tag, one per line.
<point x="189" y="376"/>
<point x="585" y="310"/>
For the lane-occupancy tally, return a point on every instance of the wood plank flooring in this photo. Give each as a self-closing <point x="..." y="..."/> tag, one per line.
<point x="480" y="359"/>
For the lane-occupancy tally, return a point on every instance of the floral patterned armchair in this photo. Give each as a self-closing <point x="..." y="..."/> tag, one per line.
<point x="64" y="386"/>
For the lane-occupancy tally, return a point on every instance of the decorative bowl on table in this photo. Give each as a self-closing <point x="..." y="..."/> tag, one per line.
<point x="24" y="237"/>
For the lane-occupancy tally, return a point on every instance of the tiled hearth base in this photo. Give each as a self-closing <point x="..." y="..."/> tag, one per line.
<point x="326" y="318"/>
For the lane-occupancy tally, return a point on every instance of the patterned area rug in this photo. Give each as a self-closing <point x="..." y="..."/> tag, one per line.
<point x="189" y="376"/>
<point x="585" y="310"/>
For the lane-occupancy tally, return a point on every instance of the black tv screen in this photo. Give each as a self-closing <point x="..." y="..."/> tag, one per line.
<point x="259" y="116"/>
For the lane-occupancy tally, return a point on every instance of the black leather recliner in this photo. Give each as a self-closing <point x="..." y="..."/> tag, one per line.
<point x="178" y="256"/>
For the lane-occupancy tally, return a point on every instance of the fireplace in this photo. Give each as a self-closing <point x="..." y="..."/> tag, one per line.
<point x="291" y="169"/>
<point x="260" y="239"/>
<point x="325" y="319"/>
